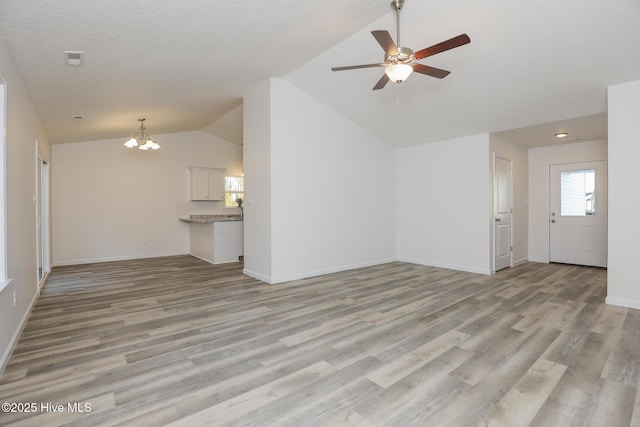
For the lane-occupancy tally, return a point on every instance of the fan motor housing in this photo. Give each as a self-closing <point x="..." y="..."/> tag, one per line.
<point x="397" y="4"/>
<point x="404" y="56"/>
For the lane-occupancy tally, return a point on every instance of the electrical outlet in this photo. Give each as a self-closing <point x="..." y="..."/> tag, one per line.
<point x="15" y="298"/>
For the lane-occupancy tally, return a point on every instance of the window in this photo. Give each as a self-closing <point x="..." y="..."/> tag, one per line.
<point x="577" y="193"/>
<point x="233" y="190"/>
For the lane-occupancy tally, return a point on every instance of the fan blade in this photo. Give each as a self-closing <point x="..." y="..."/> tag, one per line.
<point x="384" y="38"/>
<point x="430" y="71"/>
<point x="355" y="67"/>
<point x="443" y="46"/>
<point x="383" y="81"/>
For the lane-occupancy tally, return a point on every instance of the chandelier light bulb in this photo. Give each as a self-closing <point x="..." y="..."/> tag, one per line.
<point x="131" y="143"/>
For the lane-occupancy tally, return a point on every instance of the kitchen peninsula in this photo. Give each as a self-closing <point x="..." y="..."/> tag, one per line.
<point x="215" y="238"/>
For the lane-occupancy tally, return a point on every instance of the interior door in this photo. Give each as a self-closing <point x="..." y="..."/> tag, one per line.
<point x="502" y="211"/>
<point x="578" y="213"/>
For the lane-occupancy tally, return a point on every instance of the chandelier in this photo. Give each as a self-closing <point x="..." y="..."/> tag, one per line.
<point x="141" y="139"/>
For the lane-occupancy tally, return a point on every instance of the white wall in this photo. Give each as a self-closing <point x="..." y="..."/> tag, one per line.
<point x="520" y="171"/>
<point x="332" y="189"/>
<point x="539" y="161"/>
<point x="257" y="182"/>
<point x="23" y="129"/>
<point x="112" y="203"/>
<point x="443" y="204"/>
<point x="623" y="281"/>
<point x="228" y="127"/>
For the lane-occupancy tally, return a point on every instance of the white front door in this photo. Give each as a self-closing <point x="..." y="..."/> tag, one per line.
<point x="502" y="213"/>
<point x="578" y="213"/>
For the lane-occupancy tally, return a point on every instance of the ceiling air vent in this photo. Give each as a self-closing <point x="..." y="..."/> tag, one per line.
<point x="73" y="58"/>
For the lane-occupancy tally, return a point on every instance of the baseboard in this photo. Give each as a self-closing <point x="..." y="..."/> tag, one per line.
<point x="16" y="336"/>
<point x="258" y="276"/>
<point x="520" y="261"/>
<point x="118" y="258"/>
<point x="622" y="302"/>
<point x="544" y="261"/>
<point x="305" y="275"/>
<point x="485" y="271"/>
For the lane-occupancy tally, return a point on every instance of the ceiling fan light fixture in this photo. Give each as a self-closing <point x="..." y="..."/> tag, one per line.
<point x="398" y="72"/>
<point x="400" y="62"/>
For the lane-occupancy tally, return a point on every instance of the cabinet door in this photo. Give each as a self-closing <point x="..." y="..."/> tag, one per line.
<point x="216" y="185"/>
<point x="199" y="185"/>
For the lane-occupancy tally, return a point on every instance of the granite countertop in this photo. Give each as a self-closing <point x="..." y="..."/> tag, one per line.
<point x="203" y="219"/>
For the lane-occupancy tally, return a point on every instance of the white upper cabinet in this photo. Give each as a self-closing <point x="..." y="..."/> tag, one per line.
<point x="206" y="184"/>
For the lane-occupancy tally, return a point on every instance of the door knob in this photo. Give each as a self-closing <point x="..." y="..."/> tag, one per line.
<point x="553" y="221"/>
<point x="498" y="220"/>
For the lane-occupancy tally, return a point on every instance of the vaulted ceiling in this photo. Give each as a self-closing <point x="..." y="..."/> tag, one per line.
<point x="184" y="64"/>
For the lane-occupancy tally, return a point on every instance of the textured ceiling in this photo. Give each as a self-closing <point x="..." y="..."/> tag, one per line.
<point x="185" y="64"/>
<point x="585" y="128"/>
<point x="528" y="63"/>
<point x="180" y="64"/>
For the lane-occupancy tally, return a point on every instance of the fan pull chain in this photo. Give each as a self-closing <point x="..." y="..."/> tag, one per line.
<point x="398" y="103"/>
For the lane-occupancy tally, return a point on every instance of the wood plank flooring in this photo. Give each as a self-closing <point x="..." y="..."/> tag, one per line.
<point x="178" y="341"/>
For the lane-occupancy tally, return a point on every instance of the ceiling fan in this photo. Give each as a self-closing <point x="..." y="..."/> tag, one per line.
<point x="400" y="62"/>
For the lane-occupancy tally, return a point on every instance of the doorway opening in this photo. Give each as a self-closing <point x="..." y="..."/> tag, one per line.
<point x="42" y="217"/>
<point x="4" y="280"/>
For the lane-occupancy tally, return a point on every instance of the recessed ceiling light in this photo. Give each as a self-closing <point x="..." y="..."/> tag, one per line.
<point x="561" y="134"/>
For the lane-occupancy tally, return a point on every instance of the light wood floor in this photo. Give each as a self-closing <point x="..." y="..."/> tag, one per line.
<point x="178" y="341"/>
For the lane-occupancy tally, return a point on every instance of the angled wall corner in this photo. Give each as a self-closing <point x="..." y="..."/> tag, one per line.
<point x="624" y="205"/>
